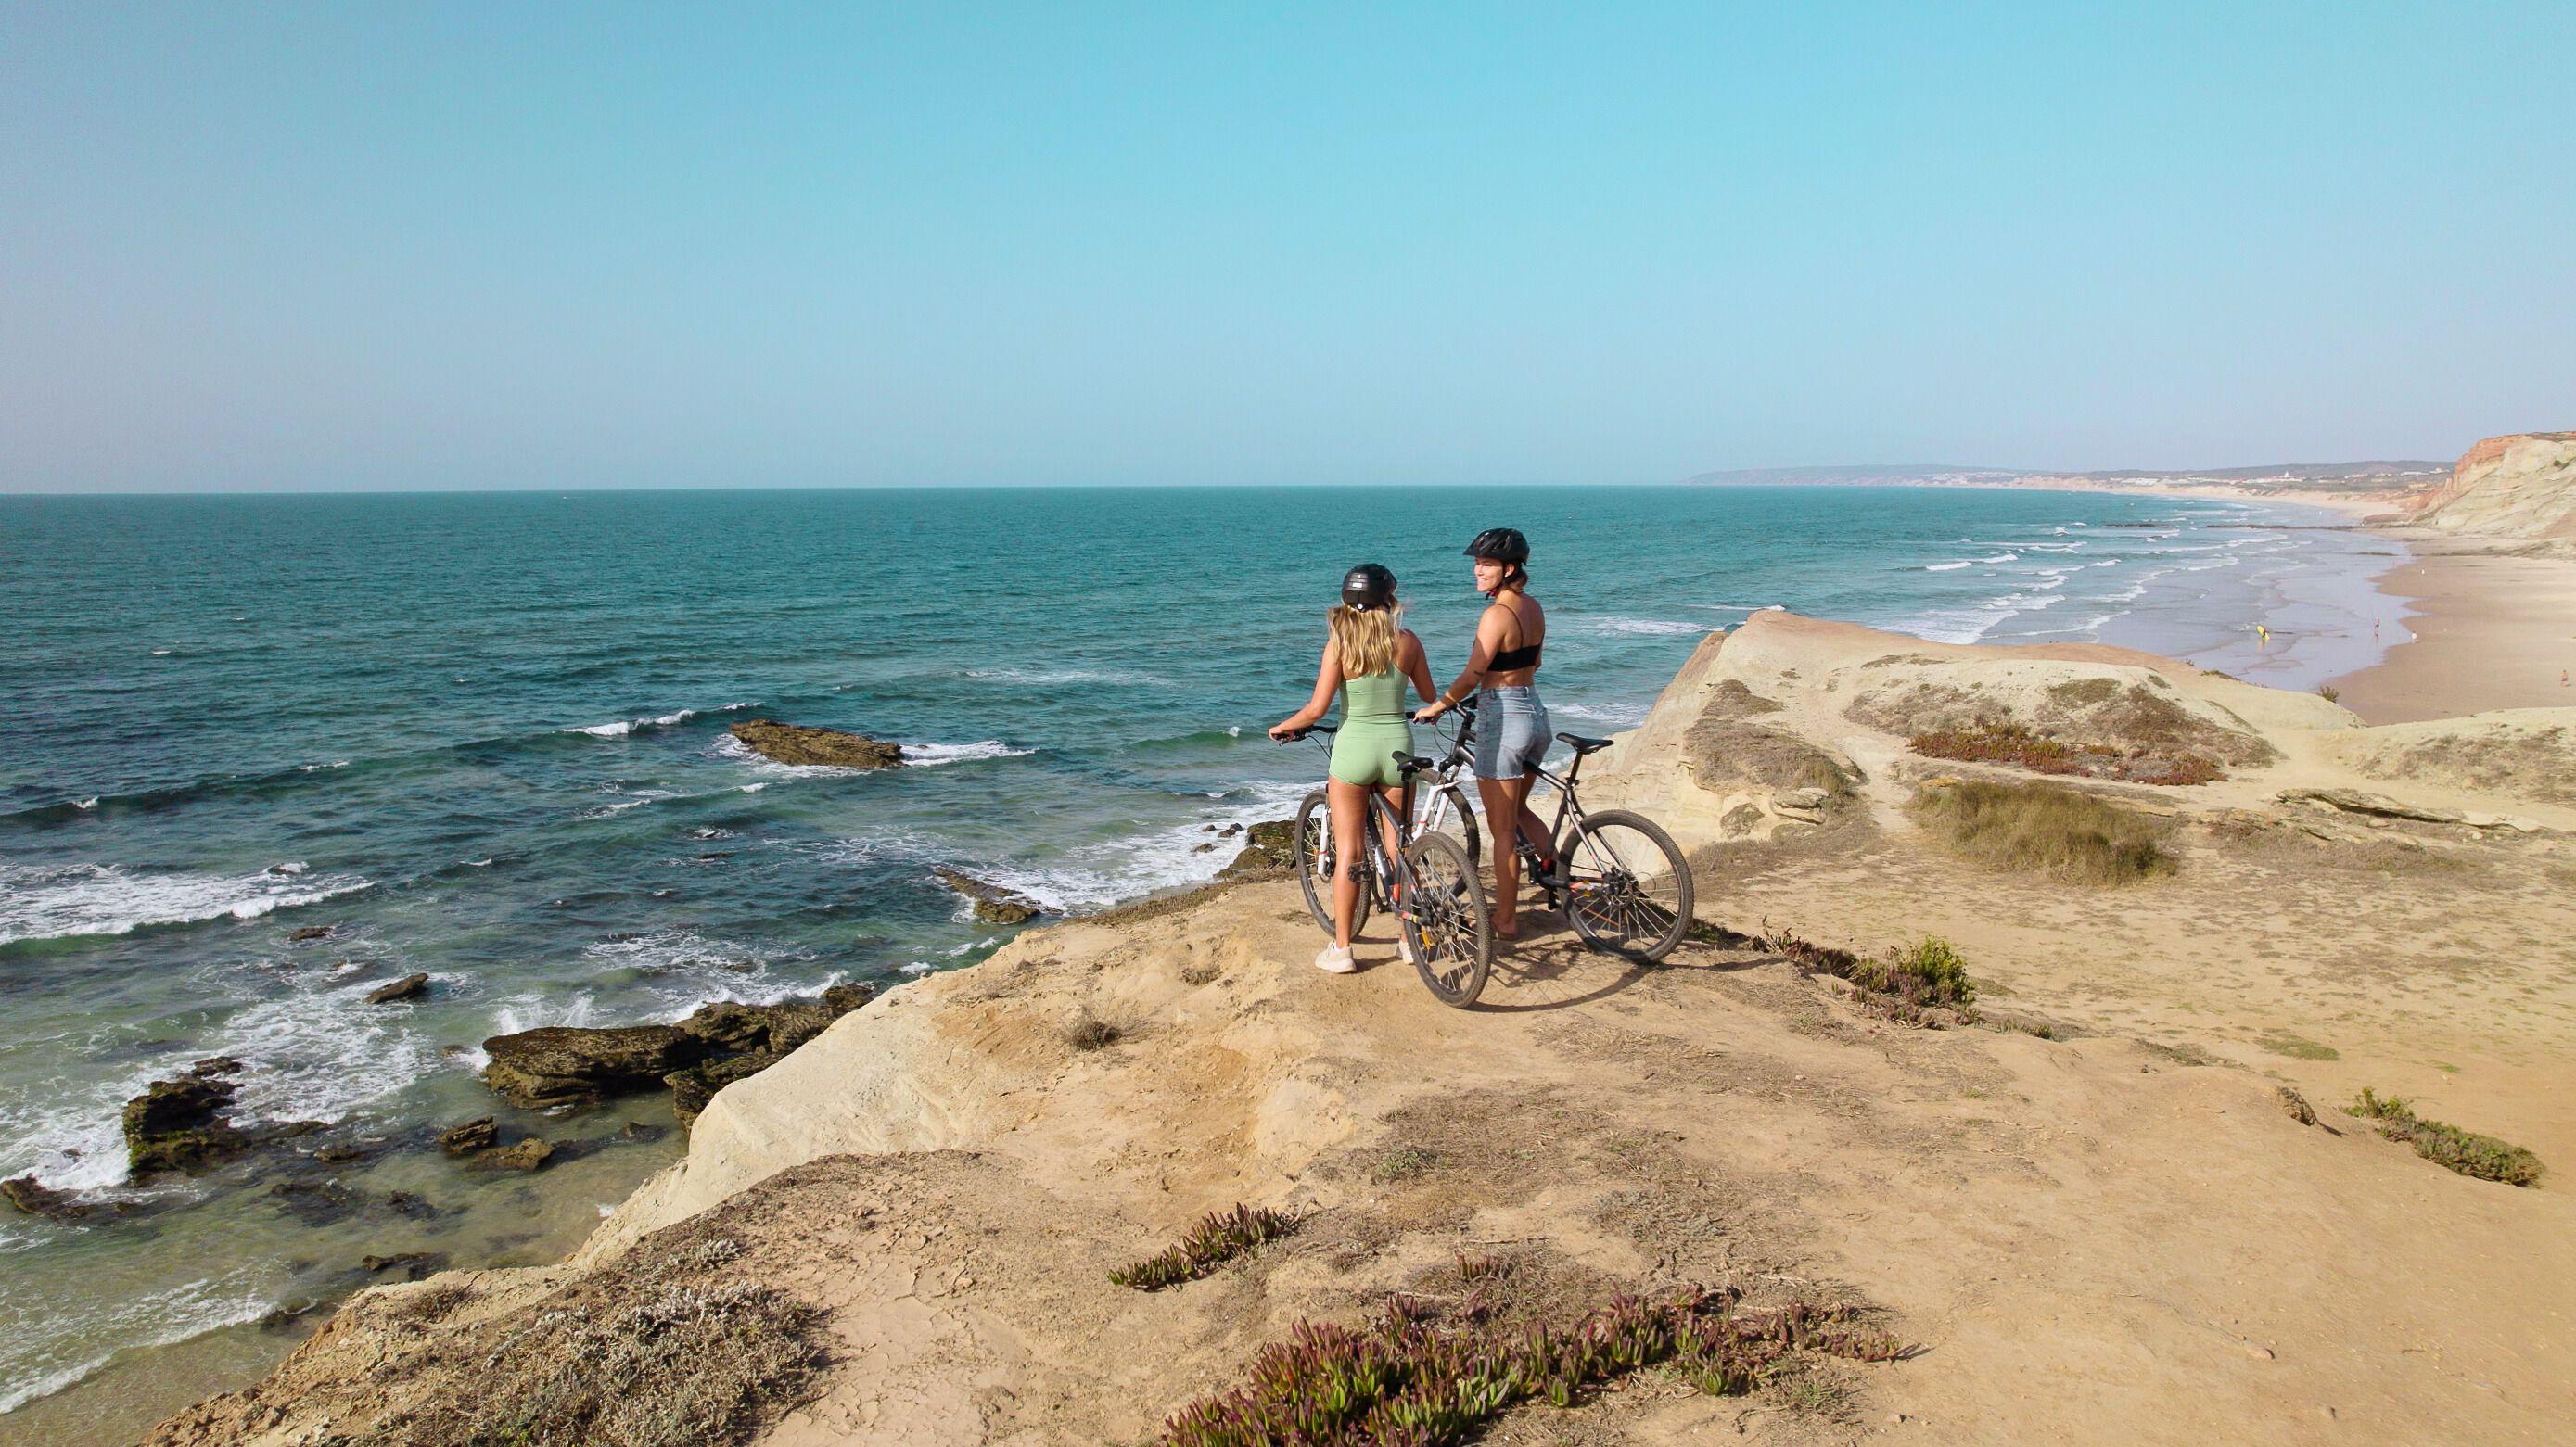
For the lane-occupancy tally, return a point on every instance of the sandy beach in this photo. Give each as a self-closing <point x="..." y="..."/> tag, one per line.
<point x="2495" y="628"/>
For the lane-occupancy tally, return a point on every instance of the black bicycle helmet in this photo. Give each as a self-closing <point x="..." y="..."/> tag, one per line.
<point x="1502" y="545"/>
<point x="1368" y="586"/>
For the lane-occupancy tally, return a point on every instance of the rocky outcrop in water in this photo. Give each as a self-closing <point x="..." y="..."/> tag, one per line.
<point x="410" y="986"/>
<point x="2521" y="485"/>
<point x="38" y="1199"/>
<point x="567" y="1065"/>
<point x="1266" y="846"/>
<point x="800" y="744"/>
<point x="175" y="1124"/>
<point x="993" y="904"/>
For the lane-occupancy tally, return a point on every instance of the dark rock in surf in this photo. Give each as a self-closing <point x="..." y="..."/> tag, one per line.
<point x="993" y="904"/>
<point x="316" y="1203"/>
<point x="174" y="1124"/>
<point x="472" y="1136"/>
<point x="38" y="1199"/>
<point x="527" y="1155"/>
<point x="566" y="1065"/>
<point x="563" y="1065"/>
<point x="804" y="745"/>
<point x="410" y="986"/>
<point x="692" y="1088"/>
<point x="311" y="932"/>
<point x="1266" y="847"/>
<point x="414" y="1265"/>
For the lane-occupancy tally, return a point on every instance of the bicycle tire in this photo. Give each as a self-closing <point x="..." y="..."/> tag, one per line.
<point x="1445" y="921"/>
<point x="1315" y="857"/>
<point x="1628" y="890"/>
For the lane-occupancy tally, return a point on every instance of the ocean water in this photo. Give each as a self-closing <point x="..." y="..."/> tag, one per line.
<point x="483" y="736"/>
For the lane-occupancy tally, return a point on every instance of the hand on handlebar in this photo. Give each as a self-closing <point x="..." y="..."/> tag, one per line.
<point x="1281" y="733"/>
<point x="1430" y="711"/>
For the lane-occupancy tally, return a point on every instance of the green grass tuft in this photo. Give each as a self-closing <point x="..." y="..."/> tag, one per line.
<point x="2282" y="1042"/>
<point x="2044" y="829"/>
<point x="1218" y="1238"/>
<point x="2466" y="1152"/>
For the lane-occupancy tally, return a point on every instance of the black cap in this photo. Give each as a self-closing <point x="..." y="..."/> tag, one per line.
<point x="1368" y="586"/>
<point x="1502" y="545"/>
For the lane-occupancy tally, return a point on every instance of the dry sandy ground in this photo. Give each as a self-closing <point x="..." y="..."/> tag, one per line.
<point x="2118" y="1234"/>
<point x="2497" y="630"/>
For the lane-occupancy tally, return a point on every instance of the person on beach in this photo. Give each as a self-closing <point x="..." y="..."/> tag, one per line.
<point x="1369" y="655"/>
<point x="1511" y="724"/>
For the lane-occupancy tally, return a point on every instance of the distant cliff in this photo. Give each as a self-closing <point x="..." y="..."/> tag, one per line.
<point x="2522" y="485"/>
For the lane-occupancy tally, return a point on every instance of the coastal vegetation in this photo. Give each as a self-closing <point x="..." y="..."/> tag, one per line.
<point x="1218" y="1238"/>
<point x="2043" y="829"/>
<point x="2446" y="1145"/>
<point x="1924" y="984"/>
<point x="2022" y="747"/>
<point x="1422" y="1372"/>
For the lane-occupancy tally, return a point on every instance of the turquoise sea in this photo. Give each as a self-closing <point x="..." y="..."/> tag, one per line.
<point x="483" y="736"/>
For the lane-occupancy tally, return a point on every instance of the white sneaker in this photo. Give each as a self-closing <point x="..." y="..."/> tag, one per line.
<point x="1404" y="946"/>
<point x="1335" y="960"/>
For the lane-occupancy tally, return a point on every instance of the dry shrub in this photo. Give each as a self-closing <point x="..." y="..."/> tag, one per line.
<point x="2044" y="829"/>
<point x="2022" y="747"/>
<point x="680" y="1365"/>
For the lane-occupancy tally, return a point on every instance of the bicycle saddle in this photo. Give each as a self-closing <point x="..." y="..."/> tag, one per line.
<point x="1583" y="745"/>
<point x="1411" y="763"/>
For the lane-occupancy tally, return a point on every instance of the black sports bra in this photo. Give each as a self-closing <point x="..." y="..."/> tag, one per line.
<point x="1525" y="656"/>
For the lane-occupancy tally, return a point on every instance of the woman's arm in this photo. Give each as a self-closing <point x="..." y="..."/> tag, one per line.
<point x="1328" y="677"/>
<point x="1419" y="667"/>
<point x="1488" y="641"/>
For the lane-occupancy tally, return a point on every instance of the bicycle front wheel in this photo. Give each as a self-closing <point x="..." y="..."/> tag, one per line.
<point x="1316" y="858"/>
<point x="1445" y="921"/>
<point x="1457" y="821"/>
<point x="1627" y="887"/>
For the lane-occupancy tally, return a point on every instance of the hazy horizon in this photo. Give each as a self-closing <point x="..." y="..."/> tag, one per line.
<point x="474" y="247"/>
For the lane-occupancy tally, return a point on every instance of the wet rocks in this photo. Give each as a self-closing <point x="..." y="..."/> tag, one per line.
<point x="566" y="1065"/>
<point x="528" y="1155"/>
<point x="800" y="744"/>
<point x="413" y="1265"/>
<point x="38" y="1199"/>
<point x="993" y="904"/>
<point x="306" y="933"/>
<point x="472" y="1136"/>
<point x="174" y="1124"/>
<point x="1266" y="846"/>
<point x="409" y="987"/>
<point x="718" y="1044"/>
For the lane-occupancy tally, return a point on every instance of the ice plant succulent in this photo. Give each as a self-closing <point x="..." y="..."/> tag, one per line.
<point x="1219" y="1237"/>
<point x="1405" y="1381"/>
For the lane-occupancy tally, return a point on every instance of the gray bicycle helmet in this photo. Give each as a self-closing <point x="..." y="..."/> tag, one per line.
<point x="1501" y="545"/>
<point x="1368" y="587"/>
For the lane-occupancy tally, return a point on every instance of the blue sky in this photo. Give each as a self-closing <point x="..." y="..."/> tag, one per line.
<point x="369" y="246"/>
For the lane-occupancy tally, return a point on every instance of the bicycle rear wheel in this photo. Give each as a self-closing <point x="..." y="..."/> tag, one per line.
<point x="1316" y="856"/>
<point x="1627" y="887"/>
<point x="1445" y="920"/>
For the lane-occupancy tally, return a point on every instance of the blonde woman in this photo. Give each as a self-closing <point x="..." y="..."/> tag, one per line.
<point x="1369" y="655"/>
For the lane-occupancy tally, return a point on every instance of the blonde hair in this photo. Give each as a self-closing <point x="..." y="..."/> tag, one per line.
<point x="1365" y="637"/>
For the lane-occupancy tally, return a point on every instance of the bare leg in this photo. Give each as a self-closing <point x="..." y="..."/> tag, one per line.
<point x="1349" y="804"/>
<point x="1397" y="800"/>
<point x="1503" y="809"/>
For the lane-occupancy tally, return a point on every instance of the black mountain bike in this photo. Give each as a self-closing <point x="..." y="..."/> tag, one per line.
<point x="1619" y="878"/>
<point x="1430" y="885"/>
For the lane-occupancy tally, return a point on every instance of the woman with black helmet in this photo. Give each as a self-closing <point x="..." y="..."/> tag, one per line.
<point x="1368" y="656"/>
<point x="1511" y="724"/>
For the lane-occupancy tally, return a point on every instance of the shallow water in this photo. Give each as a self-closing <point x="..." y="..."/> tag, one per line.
<point x="484" y="737"/>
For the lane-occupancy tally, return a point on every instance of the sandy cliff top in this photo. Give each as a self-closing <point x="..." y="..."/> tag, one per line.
<point x="2521" y="485"/>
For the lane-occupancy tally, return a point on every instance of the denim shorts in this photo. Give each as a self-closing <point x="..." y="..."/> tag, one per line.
<point x="1511" y="732"/>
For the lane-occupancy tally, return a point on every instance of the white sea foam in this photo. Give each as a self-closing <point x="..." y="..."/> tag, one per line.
<point x="1947" y="567"/>
<point x="927" y="756"/>
<point x="62" y="901"/>
<point x="153" y="1319"/>
<point x="620" y="728"/>
<point x="1639" y="627"/>
<point x="755" y="788"/>
<point x="1623" y="716"/>
<point x="1065" y="675"/>
<point x="160" y="652"/>
<point x="89" y="803"/>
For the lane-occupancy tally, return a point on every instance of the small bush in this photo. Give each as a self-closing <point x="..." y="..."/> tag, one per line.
<point x="1092" y="1033"/>
<point x="1924" y="985"/>
<point x="2466" y="1152"/>
<point x="2328" y="692"/>
<point x="1218" y="1238"/>
<point x="2282" y="1042"/>
<point x="2044" y="829"/>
